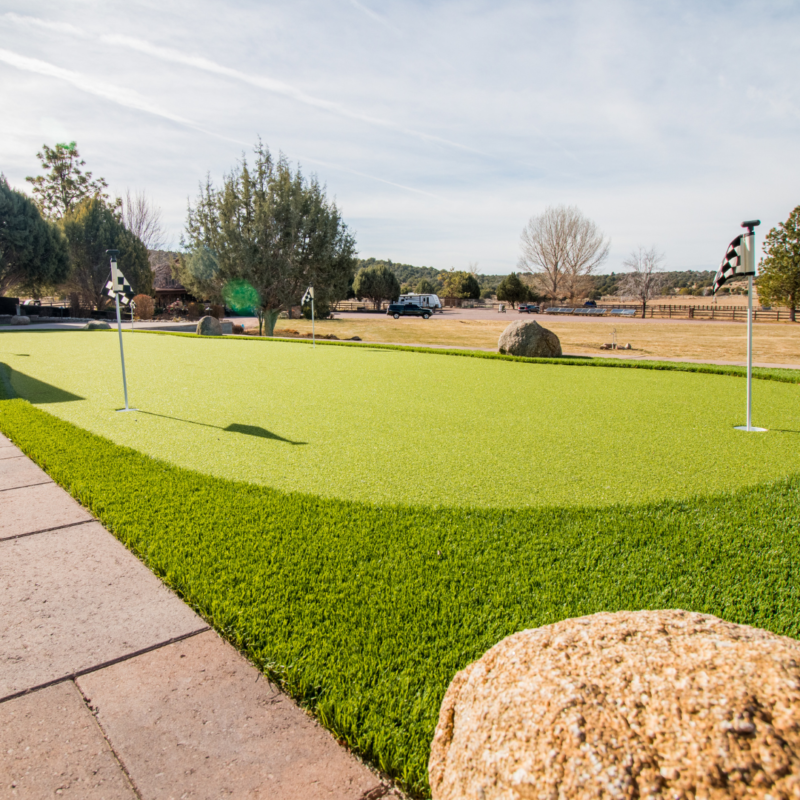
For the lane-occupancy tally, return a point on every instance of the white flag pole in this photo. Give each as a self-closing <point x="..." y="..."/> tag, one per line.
<point x="747" y="265"/>
<point x="313" y="338"/>
<point x="750" y="352"/>
<point x="113" y="255"/>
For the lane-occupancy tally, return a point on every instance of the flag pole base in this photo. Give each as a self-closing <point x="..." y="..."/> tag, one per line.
<point x="123" y="410"/>
<point x="751" y="428"/>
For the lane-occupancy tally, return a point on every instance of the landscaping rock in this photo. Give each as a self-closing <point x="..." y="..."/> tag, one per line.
<point x="20" y="320"/>
<point x="96" y="325"/>
<point x="226" y="326"/>
<point x="659" y="704"/>
<point x="530" y="339"/>
<point x="209" y="326"/>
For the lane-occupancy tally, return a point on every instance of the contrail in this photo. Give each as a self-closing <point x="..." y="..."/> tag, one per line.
<point x="128" y="98"/>
<point x="261" y="82"/>
<point x="121" y="96"/>
<point x="365" y="175"/>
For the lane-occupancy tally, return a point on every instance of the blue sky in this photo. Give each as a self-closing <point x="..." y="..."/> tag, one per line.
<point x="440" y="127"/>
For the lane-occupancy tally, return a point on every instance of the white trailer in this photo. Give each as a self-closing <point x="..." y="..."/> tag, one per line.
<point x="431" y="301"/>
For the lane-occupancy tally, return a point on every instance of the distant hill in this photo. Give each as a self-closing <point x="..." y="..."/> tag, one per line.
<point x="690" y="280"/>
<point x="410" y="275"/>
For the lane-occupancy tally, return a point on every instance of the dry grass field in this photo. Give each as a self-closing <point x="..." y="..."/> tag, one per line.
<point x="773" y="343"/>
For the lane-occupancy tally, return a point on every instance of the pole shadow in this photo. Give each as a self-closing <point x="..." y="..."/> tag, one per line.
<point x="34" y="391"/>
<point x="234" y="427"/>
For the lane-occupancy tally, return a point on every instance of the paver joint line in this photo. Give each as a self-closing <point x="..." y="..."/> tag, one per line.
<point x="46" y="530"/>
<point x="12" y="488"/>
<point x="88" y="670"/>
<point x="117" y="757"/>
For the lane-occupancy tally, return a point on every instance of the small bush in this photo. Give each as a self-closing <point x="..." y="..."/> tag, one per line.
<point x="145" y="306"/>
<point x="196" y="310"/>
<point x="321" y="311"/>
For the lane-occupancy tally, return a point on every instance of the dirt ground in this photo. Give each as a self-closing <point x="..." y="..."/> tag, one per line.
<point x="773" y="343"/>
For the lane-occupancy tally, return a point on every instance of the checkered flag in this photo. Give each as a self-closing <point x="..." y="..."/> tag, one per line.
<point x="308" y="296"/>
<point x="730" y="264"/>
<point x="119" y="286"/>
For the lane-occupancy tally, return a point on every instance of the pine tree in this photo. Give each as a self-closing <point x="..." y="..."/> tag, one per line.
<point x="33" y="252"/>
<point x="64" y="184"/>
<point x="779" y="281"/>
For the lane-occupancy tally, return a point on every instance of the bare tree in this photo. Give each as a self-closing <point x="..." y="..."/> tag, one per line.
<point x="561" y="248"/>
<point x="644" y="281"/>
<point x="142" y="217"/>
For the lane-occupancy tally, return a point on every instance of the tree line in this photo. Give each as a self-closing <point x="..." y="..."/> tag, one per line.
<point x="57" y="239"/>
<point x="257" y="241"/>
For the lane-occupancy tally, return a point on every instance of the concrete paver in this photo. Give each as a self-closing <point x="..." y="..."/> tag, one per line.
<point x="5" y="442"/>
<point x="10" y="451"/>
<point x="51" y="746"/>
<point x="38" y="508"/>
<point x="178" y="713"/>
<point x="74" y="599"/>
<point x="196" y="720"/>
<point x="21" y="471"/>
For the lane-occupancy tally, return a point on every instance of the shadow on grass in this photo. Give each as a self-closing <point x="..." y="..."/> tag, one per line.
<point x="34" y="391"/>
<point x="234" y="427"/>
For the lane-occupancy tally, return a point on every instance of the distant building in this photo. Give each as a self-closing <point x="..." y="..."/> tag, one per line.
<point x="166" y="286"/>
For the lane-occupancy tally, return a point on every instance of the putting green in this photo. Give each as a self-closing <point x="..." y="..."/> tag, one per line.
<point x="389" y="426"/>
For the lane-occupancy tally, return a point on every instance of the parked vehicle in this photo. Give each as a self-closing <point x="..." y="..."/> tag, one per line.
<point x="398" y="310"/>
<point x="528" y="308"/>
<point x="590" y="304"/>
<point x="430" y="301"/>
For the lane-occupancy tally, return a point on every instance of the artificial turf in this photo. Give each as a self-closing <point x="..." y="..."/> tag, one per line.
<point x="387" y="425"/>
<point x="364" y="611"/>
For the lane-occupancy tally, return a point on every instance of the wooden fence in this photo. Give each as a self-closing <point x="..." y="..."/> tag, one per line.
<point x="738" y="313"/>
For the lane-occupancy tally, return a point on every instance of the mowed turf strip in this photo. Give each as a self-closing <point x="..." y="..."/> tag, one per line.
<point x="392" y="426"/>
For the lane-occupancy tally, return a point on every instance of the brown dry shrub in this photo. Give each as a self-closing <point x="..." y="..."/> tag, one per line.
<point x="145" y="306"/>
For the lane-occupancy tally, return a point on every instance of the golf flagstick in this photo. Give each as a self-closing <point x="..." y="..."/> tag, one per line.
<point x="747" y="266"/>
<point x="309" y="297"/>
<point x="116" y="287"/>
<point x="740" y="261"/>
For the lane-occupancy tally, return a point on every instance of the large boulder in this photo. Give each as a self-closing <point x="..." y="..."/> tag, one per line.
<point x="658" y="704"/>
<point x="528" y="338"/>
<point x="209" y="326"/>
<point x="97" y="325"/>
<point x="20" y="319"/>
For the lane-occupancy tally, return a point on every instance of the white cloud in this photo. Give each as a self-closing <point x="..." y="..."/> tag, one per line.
<point x="440" y="127"/>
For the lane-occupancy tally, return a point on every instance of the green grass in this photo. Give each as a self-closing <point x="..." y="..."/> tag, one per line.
<point x="364" y="611"/>
<point x="388" y="425"/>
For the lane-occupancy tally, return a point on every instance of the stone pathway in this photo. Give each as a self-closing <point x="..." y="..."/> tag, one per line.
<point x="112" y="687"/>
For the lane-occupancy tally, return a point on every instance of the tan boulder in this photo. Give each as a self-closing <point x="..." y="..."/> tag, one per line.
<point x="96" y="325"/>
<point x="209" y="326"/>
<point x="646" y="704"/>
<point x="20" y="319"/>
<point x="528" y="338"/>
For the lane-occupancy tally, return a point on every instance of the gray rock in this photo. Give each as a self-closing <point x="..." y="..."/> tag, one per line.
<point x="528" y="338"/>
<point x="20" y="320"/>
<point x="97" y="325"/>
<point x="227" y="327"/>
<point x="209" y="326"/>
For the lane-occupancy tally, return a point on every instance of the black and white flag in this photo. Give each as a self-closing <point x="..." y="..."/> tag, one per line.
<point x="731" y="264"/>
<point x="119" y="286"/>
<point x="308" y="296"/>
